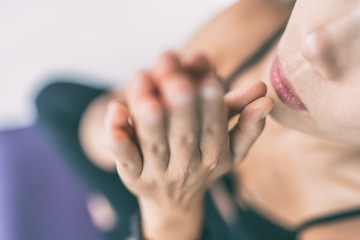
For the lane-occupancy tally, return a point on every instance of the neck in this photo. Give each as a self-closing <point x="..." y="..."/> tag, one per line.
<point x="314" y="176"/>
<point x="336" y="151"/>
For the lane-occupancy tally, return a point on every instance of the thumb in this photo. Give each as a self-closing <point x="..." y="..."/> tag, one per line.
<point x="237" y="99"/>
<point x="250" y="124"/>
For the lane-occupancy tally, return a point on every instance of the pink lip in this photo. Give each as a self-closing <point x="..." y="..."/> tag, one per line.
<point x="284" y="89"/>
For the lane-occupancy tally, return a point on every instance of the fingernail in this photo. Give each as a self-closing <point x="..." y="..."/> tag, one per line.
<point x="179" y="97"/>
<point x="240" y="91"/>
<point x="209" y="91"/>
<point x="263" y="116"/>
<point x="148" y="114"/>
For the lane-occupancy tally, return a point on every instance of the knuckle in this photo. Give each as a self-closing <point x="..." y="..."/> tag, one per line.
<point x="212" y="161"/>
<point x="186" y="139"/>
<point x="218" y="164"/>
<point x="212" y="128"/>
<point x="129" y="179"/>
<point x="211" y="166"/>
<point x="177" y="177"/>
<point x="158" y="149"/>
<point x="182" y="174"/>
<point x="124" y="165"/>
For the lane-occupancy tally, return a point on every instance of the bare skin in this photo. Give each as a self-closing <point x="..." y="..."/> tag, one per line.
<point x="179" y="120"/>
<point x="238" y="46"/>
<point x="316" y="169"/>
<point x="333" y="164"/>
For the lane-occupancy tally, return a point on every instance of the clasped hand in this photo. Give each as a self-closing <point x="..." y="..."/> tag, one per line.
<point x="177" y="141"/>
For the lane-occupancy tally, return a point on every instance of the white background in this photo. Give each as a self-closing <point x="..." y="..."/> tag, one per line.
<point x="104" y="39"/>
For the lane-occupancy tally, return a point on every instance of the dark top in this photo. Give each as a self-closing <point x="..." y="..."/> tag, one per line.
<point x="61" y="105"/>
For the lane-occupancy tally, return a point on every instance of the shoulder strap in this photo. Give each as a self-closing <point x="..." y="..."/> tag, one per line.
<point x="329" y="219"/>
<point x="254" y="58"/>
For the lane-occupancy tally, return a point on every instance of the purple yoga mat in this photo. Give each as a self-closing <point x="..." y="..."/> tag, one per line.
<point x="40" y="199"/>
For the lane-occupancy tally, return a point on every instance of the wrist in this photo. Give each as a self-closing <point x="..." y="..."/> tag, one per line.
<point x="171" y="221"/>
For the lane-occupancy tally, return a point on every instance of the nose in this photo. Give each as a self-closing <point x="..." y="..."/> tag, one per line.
<point x="318" y="47"/>
<point x="331" y="47"/>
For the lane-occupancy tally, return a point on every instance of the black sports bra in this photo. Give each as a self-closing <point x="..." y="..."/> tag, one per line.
<point x="256" y="226"/>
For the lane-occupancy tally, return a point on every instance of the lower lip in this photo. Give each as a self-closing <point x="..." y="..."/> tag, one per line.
<point x="283" y="89"/>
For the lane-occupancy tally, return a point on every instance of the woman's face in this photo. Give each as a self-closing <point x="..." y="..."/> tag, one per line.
<point x="319" y="58"/>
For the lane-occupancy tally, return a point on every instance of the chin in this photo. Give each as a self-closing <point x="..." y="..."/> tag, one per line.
<point x="289" y="119"/>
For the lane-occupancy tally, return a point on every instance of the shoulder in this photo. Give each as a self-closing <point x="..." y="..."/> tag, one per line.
<point x="64" y="98"/>
<point x="63" y="94"/>
<point x="238" y="33"/>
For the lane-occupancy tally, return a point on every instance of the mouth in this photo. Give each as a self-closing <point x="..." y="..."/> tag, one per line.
<point x="284" y="90"/>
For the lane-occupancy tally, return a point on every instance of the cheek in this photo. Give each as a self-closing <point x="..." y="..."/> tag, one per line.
<point x="336" y="115"/>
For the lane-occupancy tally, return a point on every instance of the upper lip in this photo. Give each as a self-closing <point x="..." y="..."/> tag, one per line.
<point x="283" y="87"/>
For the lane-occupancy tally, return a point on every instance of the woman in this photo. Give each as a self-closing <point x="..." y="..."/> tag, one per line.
<point x="299" y="179"/>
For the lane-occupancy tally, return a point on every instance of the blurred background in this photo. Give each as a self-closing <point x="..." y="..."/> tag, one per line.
<point x="103" y="40"/>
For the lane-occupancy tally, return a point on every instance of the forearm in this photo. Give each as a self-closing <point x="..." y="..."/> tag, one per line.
<point x="237" y="33"/>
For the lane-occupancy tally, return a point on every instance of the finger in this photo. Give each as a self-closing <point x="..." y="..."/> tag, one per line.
<point x="167" y="63"/>
<point x="179" y="96"/>
<point x="214" y="127"/>
<point x="118" y="116"/>
<point x="199" y="67"/>
<point x="138" y="86"/>
<point x="237" y="99"/>
<point x="121" y="146"/>
<point x="250" y="124"/>
<point x="149" y="119"/>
